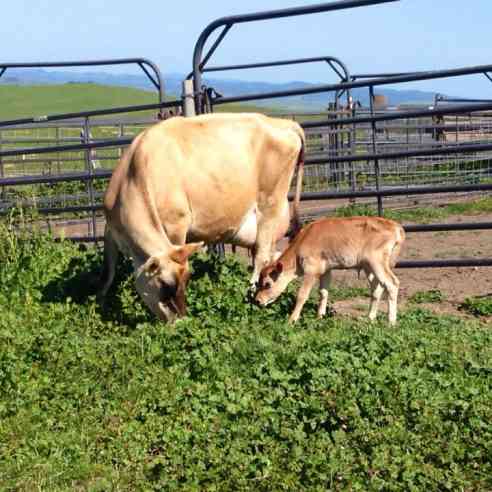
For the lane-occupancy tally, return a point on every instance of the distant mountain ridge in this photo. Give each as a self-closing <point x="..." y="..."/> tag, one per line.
<point x="226" y="87"/>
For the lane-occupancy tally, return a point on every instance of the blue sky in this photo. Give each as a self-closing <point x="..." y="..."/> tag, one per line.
<point x="407" y="35"/>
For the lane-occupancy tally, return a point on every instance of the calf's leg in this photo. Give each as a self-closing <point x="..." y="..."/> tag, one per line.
<point x="302" y="295"/>
<point x="376" y="293"/>
<point x="324" y="283"/>
<point x="392" y="295"/>
<point x="386" y="278"/>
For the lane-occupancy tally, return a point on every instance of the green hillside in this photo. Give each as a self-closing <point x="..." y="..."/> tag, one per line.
<point x="30" y="100"/>
<point x="21" y="101"/>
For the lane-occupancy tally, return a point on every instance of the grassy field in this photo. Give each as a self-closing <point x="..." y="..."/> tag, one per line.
<point x="104" y="397"/>
<point x="21" y="101"/>
<point x="422" y="215"/>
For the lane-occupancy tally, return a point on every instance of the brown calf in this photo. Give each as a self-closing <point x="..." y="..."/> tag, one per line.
<point x="371" y="244"/>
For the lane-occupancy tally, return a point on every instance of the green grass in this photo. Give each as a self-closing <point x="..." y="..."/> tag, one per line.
<point x="19" y="101"/>
<point x="478" y="306"/>
<point x="422" y="214"/>
<point x="231" y="398"/>
<point x="427" y="296"/>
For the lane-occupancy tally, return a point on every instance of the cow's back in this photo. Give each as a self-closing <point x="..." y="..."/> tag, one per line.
<point x="216" y="166"/>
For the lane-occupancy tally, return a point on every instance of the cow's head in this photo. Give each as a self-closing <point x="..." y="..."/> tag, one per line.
<point x="273" y="281"/>
<point x="161" y="281"/>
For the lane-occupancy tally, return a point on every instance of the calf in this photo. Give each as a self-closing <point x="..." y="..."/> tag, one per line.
<point x="371" y="244"/>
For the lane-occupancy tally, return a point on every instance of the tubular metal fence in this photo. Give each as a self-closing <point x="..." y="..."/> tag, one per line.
<point x="53" y="176"/>
<point x="59" y="164"/>
<point x="353" y="152"/>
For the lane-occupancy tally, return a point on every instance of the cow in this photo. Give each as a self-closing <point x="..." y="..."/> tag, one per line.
<point x="371" y="244"/>
<point x="188" y="181"/>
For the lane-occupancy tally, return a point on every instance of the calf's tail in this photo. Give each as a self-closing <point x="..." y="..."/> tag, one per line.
<point x="397" y="246"/>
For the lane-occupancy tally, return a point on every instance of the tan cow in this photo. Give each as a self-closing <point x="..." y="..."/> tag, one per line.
<point x="371" y="244"/>
<point x="211" y="178"/>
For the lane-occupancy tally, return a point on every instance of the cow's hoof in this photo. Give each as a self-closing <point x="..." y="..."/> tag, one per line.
<point x="101" y="296"/>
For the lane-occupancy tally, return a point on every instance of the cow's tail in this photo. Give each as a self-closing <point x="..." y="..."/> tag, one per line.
<point x="296" y="221"/>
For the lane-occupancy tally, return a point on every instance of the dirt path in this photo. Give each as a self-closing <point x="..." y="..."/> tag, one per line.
<point x="456" y="284"/>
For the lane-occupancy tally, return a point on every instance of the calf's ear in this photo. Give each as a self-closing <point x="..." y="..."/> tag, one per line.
<point x="279" y="268"/>
<point x="181" y="253"/>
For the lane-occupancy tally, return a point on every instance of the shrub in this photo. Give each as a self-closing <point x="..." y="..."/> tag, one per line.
<point x="478" y="306"/>
<point x="427" y="296"/>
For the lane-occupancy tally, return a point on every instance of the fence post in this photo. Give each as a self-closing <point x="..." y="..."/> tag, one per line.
<point x="121" y="134"/>
<point x="2" y="173"/>
<point x="377" y="171"/>
<point x="352" y="142"/>
<point x="90" y="182"/>
<point x="188" y="99"/>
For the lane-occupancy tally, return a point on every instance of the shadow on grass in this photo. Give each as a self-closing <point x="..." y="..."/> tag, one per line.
<point x="217" y="288"/>
<point x="80" y="283"/>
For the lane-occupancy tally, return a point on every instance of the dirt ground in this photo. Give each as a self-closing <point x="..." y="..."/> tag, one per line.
<point x="456" y="284"/>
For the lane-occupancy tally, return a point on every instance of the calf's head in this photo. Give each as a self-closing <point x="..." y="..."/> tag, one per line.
<point x="273" y="281"/>
<point x="161" y="281"/>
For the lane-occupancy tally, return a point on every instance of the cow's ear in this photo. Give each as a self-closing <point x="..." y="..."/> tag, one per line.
<point x="152" y="266"/>
<point x="181" y="253"/>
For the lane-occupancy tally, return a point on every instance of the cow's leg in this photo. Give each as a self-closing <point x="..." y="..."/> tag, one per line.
<point x="264" y="244"/>
<point x="111" y="254"/>
<point x="176" y="232"/>
<point x="302" y="295"/>
<point x="324" y="283"/>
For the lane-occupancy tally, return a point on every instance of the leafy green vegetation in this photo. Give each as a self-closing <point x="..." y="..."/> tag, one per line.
<point x="427" y="296"/>
<point x="421" y="214"/>
<point x="478" y="306"/>
<point x="104" y="397"/>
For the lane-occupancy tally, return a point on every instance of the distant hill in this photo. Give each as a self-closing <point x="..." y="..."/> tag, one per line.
<point x="226" y="87"/>
<point x="24" y="101"/>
